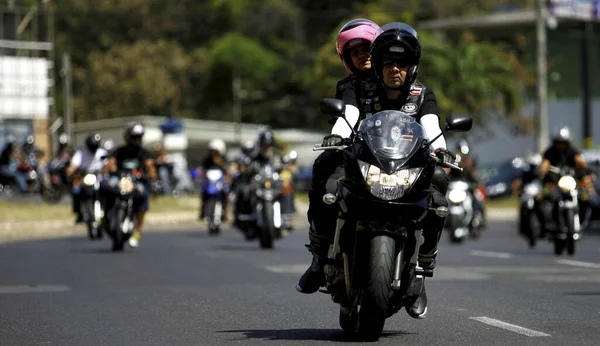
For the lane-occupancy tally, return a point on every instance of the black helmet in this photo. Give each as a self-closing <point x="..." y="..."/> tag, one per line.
<point x="134" y="133"/>
<point x="92" y="142"/>
<point x="265" y="138"/>
<point x="399" y="39"/>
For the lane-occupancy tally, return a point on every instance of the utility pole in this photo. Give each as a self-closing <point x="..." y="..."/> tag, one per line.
<point x="541" y="127"/>
<point x="236" y="90"/>
<point x="67" y="80"/>
<point x="588" y="140"/>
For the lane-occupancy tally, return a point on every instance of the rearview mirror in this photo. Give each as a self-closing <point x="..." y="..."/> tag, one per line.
<point x="332" y="107"/>
<point x="459" y="122"/>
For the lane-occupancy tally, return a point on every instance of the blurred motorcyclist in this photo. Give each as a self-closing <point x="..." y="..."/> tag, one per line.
<point x="562" y="153"/>
<point x="288" y="206"/>
<point x="163" y="167"/>
<point x="28" y="146"/>
<point x="266" y="153"/>
<point x="89" y="159"/>
<point x="469" y="175"/>
<point x="241" y="179"/>
<point x="215" y="160"/>
<point x="9" y="163"/>
<point x="132" y="151"/>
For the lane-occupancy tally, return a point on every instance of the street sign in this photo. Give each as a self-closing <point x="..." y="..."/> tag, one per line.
<point x="586" y="10"/>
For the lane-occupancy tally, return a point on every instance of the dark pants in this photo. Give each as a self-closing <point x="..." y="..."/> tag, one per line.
<point x="327" y="169"/>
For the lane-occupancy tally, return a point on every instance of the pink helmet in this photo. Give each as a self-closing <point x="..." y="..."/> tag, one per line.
<point x="352" y="34"/>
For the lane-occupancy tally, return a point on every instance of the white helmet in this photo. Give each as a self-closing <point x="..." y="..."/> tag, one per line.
<point x="217" y="145"/>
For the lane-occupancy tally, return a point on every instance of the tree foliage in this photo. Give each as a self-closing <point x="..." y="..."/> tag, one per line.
<point x="179" y="58"/>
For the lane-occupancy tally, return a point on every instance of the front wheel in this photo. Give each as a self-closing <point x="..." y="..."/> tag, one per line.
<point x="267" y="231"/>
<point x="377" y="294"/>
<point x="570" y="224"/>
<point x="119" y="234"/>
<point x="527" y="226"/>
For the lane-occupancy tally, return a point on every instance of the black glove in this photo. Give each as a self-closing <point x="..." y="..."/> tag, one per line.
<point x="332" y="141"/>
<point x="446" y="156"/>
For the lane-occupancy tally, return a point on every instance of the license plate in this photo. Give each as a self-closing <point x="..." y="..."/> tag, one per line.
<point x="387" y="180"/>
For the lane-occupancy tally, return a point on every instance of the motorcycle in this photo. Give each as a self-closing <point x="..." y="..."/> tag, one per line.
<point x="214" y="190"/>
<point x="120" y="216"/>
<point x="266" y="202"/>
<point x="464" y="219"/>
<point x="55" y="180"/>
<point x="563" y="209"/>
<point x="372" y="267"/>
<point x="91" y="207"/>
<point x="528" y="211"/>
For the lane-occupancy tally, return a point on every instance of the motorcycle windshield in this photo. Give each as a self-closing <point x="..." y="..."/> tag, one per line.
<point x="392" y="136"/>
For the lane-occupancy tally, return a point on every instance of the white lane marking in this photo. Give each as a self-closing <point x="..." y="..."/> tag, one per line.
<point x="288" y="268"/>
<point x="16" y="289"/>
<point x="578" y="263"/>
<point x="493" y="254"/>
<point x="508" y="326"/>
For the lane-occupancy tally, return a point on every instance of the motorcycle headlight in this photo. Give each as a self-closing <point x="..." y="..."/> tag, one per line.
<point x="390" y="186"/>
<point x="457" y="196"/>
<point x="567" y="183"/>
<point x="532" y="189"/>
<point x="89" y="179"/>
<point x="126" y="185"/>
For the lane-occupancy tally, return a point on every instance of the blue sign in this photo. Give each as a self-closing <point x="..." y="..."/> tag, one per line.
<point x="587" y="10"/>
<point x="171" y="126"/>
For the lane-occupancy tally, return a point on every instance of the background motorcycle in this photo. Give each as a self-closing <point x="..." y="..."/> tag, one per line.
<point x="528" y="211"/>
<point x="214" y="189"/>
<point x="90" y="204"/>
<point x="120" y="217"/>
<point x="464" y="219"/>
<point x="266" y="202"/>
<point x="563" y="209"/>
<point x="383" y="197"/>
<point x="55" y="179"/>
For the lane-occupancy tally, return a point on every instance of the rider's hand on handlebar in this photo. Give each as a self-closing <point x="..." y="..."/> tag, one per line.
<point x="332" y="141"/>
<point x="446" y="156"/>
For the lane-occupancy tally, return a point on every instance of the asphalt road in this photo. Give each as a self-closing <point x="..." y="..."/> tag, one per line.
<point x="186" y="288"/>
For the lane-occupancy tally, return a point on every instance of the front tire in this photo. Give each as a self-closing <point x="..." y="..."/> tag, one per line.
<point x="377" y="294"/>
<point x="119" y="236"/>
<point x="267" y="233"/>
<point x="570" y="224"/>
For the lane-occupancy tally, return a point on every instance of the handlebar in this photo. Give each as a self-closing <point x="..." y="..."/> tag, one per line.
<point x="446" y="164"/>
<point x="318" y="147"/>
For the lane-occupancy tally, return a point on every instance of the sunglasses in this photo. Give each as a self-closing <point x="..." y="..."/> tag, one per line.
<point x="399" y="61"/>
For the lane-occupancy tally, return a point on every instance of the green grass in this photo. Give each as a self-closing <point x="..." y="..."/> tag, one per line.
<point x="11" y="211"/>
<point x="504" y="202"/>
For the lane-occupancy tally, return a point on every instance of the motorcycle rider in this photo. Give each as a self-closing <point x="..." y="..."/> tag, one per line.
<point x="8" y="164"/>
<point x="469" y="175"/>
<point x="87" y="160"/>
<point x="215" y="160"/>
<point x="395" y="55"/>
<point x="132" y="151"/>
<point x="241" y="179"/>
<point x="266" y="153"/>
<point x="353" y="47"/>
<point x="562" y="153"/>
<point x="352" y="39"/>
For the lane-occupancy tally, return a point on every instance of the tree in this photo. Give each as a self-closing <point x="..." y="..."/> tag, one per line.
<point x="143" y="78"/>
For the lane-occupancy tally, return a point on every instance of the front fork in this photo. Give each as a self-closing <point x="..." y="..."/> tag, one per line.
<point x="411" y="283"/>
